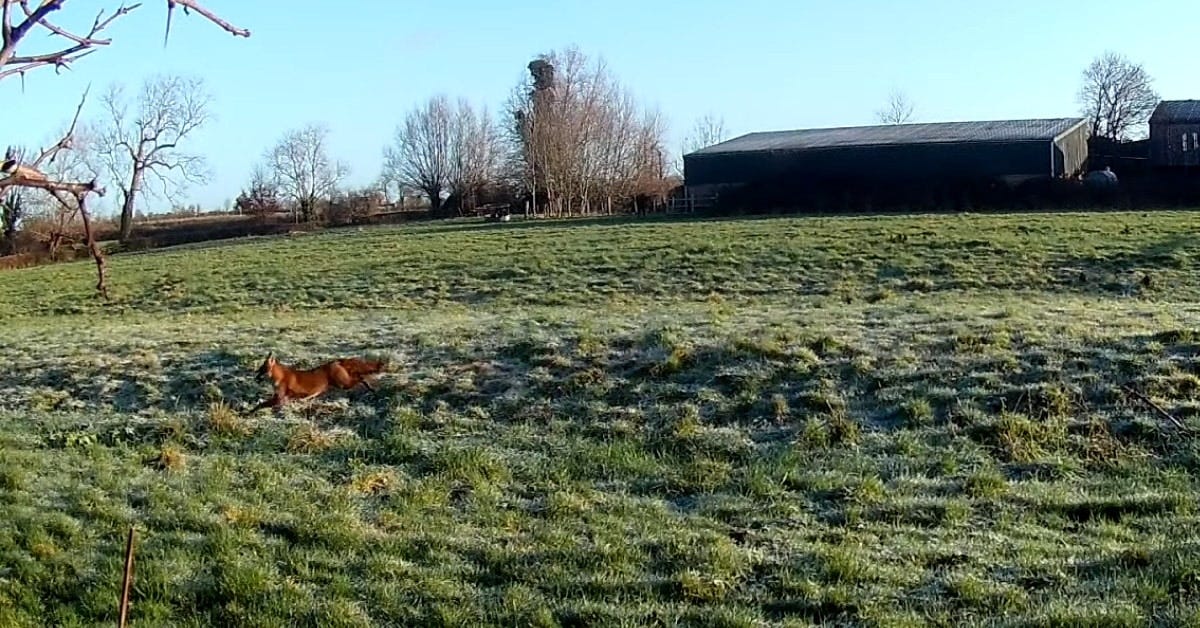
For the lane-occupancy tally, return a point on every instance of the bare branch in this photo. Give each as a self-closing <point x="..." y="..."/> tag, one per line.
<point x="31" y="20"/>
<point x="29" y="178"/>
<point x="59" y="63"/>
<point x="209" y="15"/>
<point x="61" y="58"/>
<point x="93" y="247"/>
<point x="1117" y="96"/>
<point x="30" y="175"/>
<point x="97" y="25"/>
<point x="583" y="141"/>
<point x="169" y="110"/>
<point x="474" y="153"/>
<point x="898" y="110"/>
<point x="303" y="170"/>
<point x="1157" y="408"/>
<point x="705" y="132"/>
<point x="12" y="64"/>
<point x="420" y="154"/>
<point x="64" y="143"/>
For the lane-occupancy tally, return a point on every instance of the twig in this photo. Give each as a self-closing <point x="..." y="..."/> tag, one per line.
<point x="209" y="15"/>
<point x="1166" y="415"/>
<point x="64" y="143"/>
<point x="22" y="29"/>
<point x="85" y="40"/>
<point x="84" y="44"/>
<point x="126" y="581"/>
<point x="29" y="175"/>
<point x="11" y="64"/>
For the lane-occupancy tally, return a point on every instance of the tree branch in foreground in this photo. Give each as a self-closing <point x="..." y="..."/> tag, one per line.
<point x="72" y="195"/>
<point x="80" y="45"/>
<point x="30" y="175"/>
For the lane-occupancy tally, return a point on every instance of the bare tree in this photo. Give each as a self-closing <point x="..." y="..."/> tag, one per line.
<point x="261" y="199"/>
<point x="705" y="132"/>
<point x="578" y="135"/>
<point x="474" y="153"/>
<point x="420" y="154"/>
<point x="386" y="182"/>
<point x="303" y="170"/>
<point x="1117" y="96"/>
<point x="441" y="149"/>
<point x="18" y="19"/>
<point x="146" y="145"/>
<point x="898" y="109"/>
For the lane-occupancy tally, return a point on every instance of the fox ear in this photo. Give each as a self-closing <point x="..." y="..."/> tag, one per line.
<point x="270" y="356"/>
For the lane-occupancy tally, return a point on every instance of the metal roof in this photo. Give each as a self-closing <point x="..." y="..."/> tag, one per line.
<point x="1177" y="111"/>
<point x="898" y="134"/>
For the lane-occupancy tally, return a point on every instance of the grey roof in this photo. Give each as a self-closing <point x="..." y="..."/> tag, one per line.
<point x="895" y="134"/>
<point x="1177" y="111"/>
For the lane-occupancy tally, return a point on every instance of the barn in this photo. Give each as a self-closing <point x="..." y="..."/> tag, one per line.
<point x="1175" y="134"/>
<point x="1007" y="150"/>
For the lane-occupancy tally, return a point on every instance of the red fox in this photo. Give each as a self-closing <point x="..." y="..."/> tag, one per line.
<point x="301" y="385"/>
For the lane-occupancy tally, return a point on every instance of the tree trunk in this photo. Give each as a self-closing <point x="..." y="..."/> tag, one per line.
<point x="135" y="183"/>
<point x="94" y="249"/>
<point x="435" y="202"/>
<point x="306" y="209"/>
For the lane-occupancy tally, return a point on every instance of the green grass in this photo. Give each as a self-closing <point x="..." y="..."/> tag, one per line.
<point x="724" y="423"/>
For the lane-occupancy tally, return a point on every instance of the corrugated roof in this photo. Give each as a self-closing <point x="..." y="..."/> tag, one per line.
<point x="1177" y="111"/>
<point x="929" y="133"/>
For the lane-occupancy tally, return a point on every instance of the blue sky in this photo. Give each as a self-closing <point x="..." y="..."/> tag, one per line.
<point x="358" y="65"/>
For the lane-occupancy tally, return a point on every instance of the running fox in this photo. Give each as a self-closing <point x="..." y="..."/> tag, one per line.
<point x="301" y="385"/>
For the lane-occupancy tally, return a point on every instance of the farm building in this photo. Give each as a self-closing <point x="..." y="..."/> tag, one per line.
<point x="1011" y="150"/>
<point x="1175" y="134"/>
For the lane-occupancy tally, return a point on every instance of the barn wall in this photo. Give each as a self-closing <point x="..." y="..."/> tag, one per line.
<point x="891" y="162"/>
<point x="1071" y="152"/>
<point x="1167" y="147"/>
<point x="702" y="191"/>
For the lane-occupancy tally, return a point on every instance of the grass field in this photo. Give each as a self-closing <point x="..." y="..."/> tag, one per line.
<point x="917" y="421"/>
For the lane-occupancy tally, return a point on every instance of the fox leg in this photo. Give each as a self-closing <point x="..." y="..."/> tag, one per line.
<point x="342" y="377"/>
<point x="273" y="401"/>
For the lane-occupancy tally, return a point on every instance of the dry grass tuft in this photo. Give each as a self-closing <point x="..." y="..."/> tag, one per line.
<point x="225" y="421"/>
<point x="307" y="438"/>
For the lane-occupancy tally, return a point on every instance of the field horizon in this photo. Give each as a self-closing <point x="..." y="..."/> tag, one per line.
<point x="788" y="421"/>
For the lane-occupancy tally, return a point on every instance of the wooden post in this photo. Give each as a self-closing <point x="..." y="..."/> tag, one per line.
<point x="126" y="581"/>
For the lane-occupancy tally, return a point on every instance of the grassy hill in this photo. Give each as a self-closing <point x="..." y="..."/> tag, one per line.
<point x="892" y="421"/>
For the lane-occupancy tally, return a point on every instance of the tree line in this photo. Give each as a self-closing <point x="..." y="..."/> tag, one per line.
<point x="571" y="139"/>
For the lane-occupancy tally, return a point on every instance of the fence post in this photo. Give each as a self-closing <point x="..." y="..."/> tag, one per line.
<point x="126" y="581"/>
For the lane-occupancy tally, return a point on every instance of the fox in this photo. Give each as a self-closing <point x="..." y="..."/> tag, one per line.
<point x="302" y="385"/>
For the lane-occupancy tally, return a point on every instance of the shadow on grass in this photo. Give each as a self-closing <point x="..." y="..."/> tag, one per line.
<point x="1040" y="380"/>
<point x="773" y="388"/>
<point x="1126" y="272"/>
<point x="1173" y="568"/>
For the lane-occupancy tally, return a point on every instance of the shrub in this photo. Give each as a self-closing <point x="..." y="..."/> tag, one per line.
<point x="260" y="199"/>
<point x="353" y="208"/>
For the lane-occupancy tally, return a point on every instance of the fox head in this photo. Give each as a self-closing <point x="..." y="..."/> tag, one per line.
<point x="264" y="371"/>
